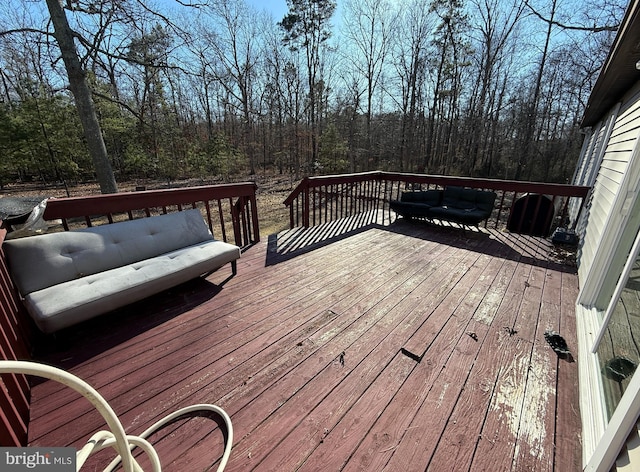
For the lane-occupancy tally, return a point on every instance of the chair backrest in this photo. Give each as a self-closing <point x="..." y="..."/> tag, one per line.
<point x="469" y="199"/>
<point x="116" y="437"/>
<point x="86" y="390"/>
<point x="430" y="197"/>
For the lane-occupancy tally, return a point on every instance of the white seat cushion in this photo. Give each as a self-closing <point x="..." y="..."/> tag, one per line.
<point x="71" y="302"/>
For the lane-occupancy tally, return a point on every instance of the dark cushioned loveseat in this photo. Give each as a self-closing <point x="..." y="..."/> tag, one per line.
<point x="456" y="204"/>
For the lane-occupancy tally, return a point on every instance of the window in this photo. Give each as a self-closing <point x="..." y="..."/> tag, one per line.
<point x="618" y="348"/>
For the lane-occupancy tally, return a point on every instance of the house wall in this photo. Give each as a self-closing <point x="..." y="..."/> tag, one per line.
<point x="614" y="143"/>
<point x="607" y="228"/>
<point x="595" y="145"/>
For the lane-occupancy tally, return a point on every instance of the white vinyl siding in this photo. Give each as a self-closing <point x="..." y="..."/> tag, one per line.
<point x="590" y="161"/>
<point x="588" y="153"/>
<point x="595" y="252"/>
<point x="586" y="162"/>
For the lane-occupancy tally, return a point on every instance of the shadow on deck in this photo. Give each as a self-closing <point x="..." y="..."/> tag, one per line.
<point x="299" y="241"/>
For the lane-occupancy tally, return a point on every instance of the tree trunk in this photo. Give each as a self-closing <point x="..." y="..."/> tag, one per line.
<point x="532" y="116"/>
<point x="83" y="99"/>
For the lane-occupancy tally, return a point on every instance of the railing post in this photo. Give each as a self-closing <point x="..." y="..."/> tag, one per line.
<point x="254" y="216"/>
<point x="306" y="204"/>
<point x="235" y="222"/>
<point x="292" y="223"/>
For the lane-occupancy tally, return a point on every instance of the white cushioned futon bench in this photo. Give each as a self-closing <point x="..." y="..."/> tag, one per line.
<point x="69" y="277"/>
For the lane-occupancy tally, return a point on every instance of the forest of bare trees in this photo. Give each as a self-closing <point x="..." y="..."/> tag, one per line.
<point x="219" y="89"/>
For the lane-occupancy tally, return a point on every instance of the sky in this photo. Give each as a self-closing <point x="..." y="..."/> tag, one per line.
<point x="278" y="8"/>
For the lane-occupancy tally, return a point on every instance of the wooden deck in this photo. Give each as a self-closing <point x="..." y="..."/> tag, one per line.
<point x="351" y="346"/>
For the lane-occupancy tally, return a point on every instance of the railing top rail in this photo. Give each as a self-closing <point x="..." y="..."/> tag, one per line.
<point x="124" y="201"/>
<point x="564" y="190"/>
<point x="359" y="176"/>
<point x="297" y="191"/>
<point x="320" y="180"/>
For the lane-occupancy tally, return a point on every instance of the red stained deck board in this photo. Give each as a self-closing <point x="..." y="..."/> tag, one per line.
<point x="461" y="302"/>
<point x="320" y="346"/>
<point x="337" y="446"/>
<point x="381" y="442"/>
<point x="568" y="446"/>
<point x="448" y="355"/>
<point x="457" y="446"/>
<point x="535" y="443"/>
<point x="189" y="355"/>
<point x="496" y="445"/>
<point x="366" y="350"/>
<point x="267" y="346"/>
<point x="422" y="403"/>
<point x="354" y="425"/>
<point x="522" y="391"/>
<point x="421" y="437"/>
<point x="526" y="323"/>
<point x="407" y="306"/>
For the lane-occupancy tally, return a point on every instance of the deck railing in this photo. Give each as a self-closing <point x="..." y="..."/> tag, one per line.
<point x="318" y="200"/>
<point x="226" y="208"/>
<point x="14" y="345"/>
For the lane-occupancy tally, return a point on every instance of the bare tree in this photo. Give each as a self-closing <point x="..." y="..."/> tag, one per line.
<point x="82" y="94"/>
<point x="449" y="44"/>
<point x="369" y="27"/>
<point x="236" y="46"/>
<point x="532" y="123"/>
<point x="409" y="58"/>
<point x="496" y="26"/>
<point x="594" y="27"/>
<point x="306" y="28"/>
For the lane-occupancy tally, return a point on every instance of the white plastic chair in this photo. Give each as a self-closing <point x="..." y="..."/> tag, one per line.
<point x="116" y="437"/>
